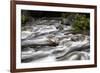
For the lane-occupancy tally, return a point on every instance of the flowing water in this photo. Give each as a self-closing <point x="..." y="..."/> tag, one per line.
<point x="50" y="41"/>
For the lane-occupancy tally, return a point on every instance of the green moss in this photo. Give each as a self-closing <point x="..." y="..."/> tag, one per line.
<point x="24" y="19"/>
<point x="81" y="23"/>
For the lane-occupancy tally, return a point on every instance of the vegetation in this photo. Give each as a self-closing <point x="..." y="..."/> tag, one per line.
<point x="81" y="23"/>
<point x="24" y="19"/>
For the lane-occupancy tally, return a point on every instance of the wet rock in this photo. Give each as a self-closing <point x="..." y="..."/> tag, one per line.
<point x="66" y="42"/>
<point x="46" y="48"/>
<point x="28" y="49"/>
<point x="59" y="51"/>
<point x="42" y="41"/>
<point x="46" y="29"/>
<point x="77" y="37"/>
<point x="76" y="46"/>
<point x="76" y="55"/>
<point x="26" y="28"/>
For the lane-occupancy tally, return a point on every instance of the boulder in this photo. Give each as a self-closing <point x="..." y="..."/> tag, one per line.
<point x="43" y="41"/>
<point x="76" y="46"/>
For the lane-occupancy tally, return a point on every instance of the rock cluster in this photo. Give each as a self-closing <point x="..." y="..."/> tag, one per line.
<point x="49" y="37"/>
